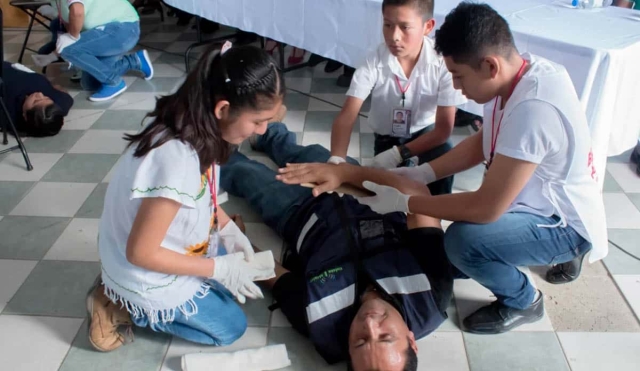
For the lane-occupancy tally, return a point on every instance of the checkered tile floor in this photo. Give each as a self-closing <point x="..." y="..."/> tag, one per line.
<point x="48" y="258"/>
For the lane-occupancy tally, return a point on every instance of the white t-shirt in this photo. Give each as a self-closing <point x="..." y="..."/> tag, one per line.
<point x="429" y="86"/>
<point x="545" y="124"/>
<point x="534" y="132"/>
<point x="170" y="171"/>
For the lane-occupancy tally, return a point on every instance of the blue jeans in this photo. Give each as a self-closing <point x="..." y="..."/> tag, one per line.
<point x="219" y="321"/>
<point x="490" y="253"/>
<point x="99" y="53"/>
<point x="275" y="201"/>
<point x="385" y="142"/>
<point x="56" y="26"/>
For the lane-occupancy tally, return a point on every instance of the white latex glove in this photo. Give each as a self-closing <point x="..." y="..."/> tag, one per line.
<point x="65" y="40"/>
<point x="44" y="60"/>
<point x="387" y="199"/>
<point x="234" y="240"/>
<point x="422" y="174"/>
<point x="388" y="159"/>
<point x="236" y="277"/>
<point x="336" y="160"/>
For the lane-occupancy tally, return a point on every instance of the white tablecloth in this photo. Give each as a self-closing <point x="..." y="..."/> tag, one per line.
<point x="600" y="48"/>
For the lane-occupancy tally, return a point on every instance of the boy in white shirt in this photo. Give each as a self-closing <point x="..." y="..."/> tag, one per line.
<point x="406" y="78"/>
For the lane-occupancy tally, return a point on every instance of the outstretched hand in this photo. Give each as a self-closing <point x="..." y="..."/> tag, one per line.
<point x="326" y="176"/>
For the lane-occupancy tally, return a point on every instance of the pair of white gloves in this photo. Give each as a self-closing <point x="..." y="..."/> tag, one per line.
<point x="388" y="199"/>
<point x="238" y="270"/>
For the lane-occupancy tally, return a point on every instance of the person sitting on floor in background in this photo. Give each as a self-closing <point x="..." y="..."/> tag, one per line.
<point x="406" y="73"/>
<point x="539" y="202"/>
<point x="36" y="106"/>
<point x="162" y="236"/>
<point x="360" y="285"/>
<point x="99" y="32"/>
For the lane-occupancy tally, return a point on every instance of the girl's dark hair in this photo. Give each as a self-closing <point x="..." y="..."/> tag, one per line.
<point x="245" y="76"/>
<point x="43" y="121"/>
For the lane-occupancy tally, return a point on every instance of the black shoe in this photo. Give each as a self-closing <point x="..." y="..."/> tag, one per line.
<point x="315" y="60"/>
<point x="497" y="318"/>
<point x="565" y="272"/>
<point x="344" y="81"/>
<point x="635" y="155"/>
<point x="332" y="66"/>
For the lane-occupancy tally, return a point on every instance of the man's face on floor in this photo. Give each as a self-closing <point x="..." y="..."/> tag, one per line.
<point x="379" y="337"/>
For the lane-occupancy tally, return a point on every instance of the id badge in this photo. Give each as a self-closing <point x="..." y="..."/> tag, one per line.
<point x="401" y="123"/>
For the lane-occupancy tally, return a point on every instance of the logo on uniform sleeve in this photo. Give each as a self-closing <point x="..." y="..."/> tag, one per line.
<point x="328" y="275"/>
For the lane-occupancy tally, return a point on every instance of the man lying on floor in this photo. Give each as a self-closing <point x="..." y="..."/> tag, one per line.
<point x="360" y="285"/>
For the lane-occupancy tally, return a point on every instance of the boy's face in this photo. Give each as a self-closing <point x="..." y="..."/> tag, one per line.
<point x="403" y="29"/>
<point x="479" y="84"/>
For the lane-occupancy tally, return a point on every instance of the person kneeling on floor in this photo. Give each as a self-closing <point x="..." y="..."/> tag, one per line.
<point x="362" y="286"/>
<point x="98" y="33"/>
<point x="36" y="106"/>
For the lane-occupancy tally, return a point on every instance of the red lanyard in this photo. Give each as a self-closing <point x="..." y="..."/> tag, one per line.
<point x="402" y="90"/>
<point x="494" y="136"/>
<point x="211" y="179"/>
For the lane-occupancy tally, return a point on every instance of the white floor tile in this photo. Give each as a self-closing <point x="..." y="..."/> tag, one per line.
<point x="101" y="141"/>
<point x="254" y="337"/>
<point x="295" y="121"/>
<point x="54" y="199"/>
<point x="324" y="139"/>
<point x="135" y="101"/>
<point x="630" y="287"/>
<point x="302" y="84"/>
<point x="81" y="119"/>
<point x="13" y="166"/>
<point x="78" y="242"/>
<point x="595" y="351"/>
<point x="625" y="175"/>
<point x="168" y="70"/>
<point x="442" y="351"/>
<point x="318" y="105"/>
<point x="12" y="275"/>
<point x="264" y="238"/>
<point x="471" y="296"/>
<point x="35" y="343"/>
<point x="621" y="212"/>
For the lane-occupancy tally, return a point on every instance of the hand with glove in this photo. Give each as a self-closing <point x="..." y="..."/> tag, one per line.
<point x="234" y="240"/>
<point x="423" y="174"/>
<point x="64" y="41"/>
<point x="388" y="159"/>
<point x="387" y="199"/>
<point x="232" y="272"/>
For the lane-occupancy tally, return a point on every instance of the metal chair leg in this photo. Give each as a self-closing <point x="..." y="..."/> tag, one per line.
<point x="26" y="38"/>
<point x="23" y="149"/>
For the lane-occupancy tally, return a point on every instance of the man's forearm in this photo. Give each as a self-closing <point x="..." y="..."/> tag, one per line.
<point x="340" y="137"/>
<point x="356" y="175"/>
<point x="76" y="19"/>
<point x="467" y="207"/>
<point x="462" y="157"/>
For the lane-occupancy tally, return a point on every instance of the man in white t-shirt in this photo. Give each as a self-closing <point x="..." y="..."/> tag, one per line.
<point x="413" y="102"/>
<point x="539" y="203"/>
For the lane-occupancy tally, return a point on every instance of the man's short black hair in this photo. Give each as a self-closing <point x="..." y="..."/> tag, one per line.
<point x="44" y="121"/>
<point x="410" y="365"/>
<point x="471" y="31"/>
<point x="424" y="7"/>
